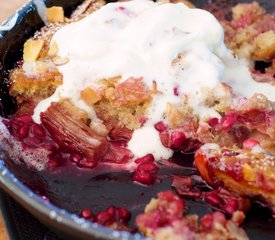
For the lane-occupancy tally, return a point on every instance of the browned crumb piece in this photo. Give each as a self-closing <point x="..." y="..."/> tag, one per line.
<point x="164" y="219"/>
<point x="42" y="55"/>
<point x="39" y="86"/>
<point x="264" y="46"/>
<point x="124" y="116"/>
<point x="254" y="118"/>
<point x="248" y="172"/>
<point x="123" y="103"/>
<point x="250" y="33"/>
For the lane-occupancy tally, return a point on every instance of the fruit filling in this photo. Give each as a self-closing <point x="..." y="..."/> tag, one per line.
<point x="139" y="81"/>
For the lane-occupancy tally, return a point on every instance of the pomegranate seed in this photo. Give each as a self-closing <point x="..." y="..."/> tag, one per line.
<point x="56" y="160"/>
<point x="228" y="121"/>
<point x="104" y="218"/>
<point x="147" y="158"/>
<point x="76" y="157"/>
<point x="38" y="130"/>
<point x="144" y="178"/>
<point x="177" y="139"/>
<point x="231" y="206"/>
<point x="206" y="222"/>
<point x="160" y="126"/>
<point x="176" y="91"/>
<point x="213" y="199"/>
<point x="124" y="215"/>
<point x="147" y="167"/>
<point x="212" y="122"/>
<point x="84" y="163"/>
<point x="111" y="210"/>
<point x="24" y="130"/>
<point x="53" y="164"/>
<point x="142" y="120"/>
<point x="23" y="119"/>
<point x="250" y="143"/>
<point x="165" y="139"/>
<point x="86" y="213"/>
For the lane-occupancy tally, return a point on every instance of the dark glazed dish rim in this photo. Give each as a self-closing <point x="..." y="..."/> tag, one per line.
<point x="53" y="216"/>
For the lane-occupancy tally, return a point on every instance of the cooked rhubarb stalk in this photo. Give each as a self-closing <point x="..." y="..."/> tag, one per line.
<point x="247" y="172"/>
<point x="68" y="126"/>
<point x="164" y="219"/>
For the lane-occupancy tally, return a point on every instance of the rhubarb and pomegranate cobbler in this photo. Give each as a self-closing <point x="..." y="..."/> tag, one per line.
<point x="127" y="84"/>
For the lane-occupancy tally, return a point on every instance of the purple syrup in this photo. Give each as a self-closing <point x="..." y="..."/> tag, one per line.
<point x="75" y="189"/>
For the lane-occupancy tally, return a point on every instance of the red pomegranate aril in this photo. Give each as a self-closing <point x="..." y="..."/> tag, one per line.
<point x="111" y="210"/>
<point x="144" y="178"/>
<point x="250" y="143"/>
<point x="213" y="199"/>
<point x="23" y="131"/>
<point x="147" y="158"/>
<point x="165" y="139"/>
<point x="143" y="120"/>
<point x="52" y="164"/>
<point x="86" y="213"/>
<point x="231" y="206"/>
<point x="206" y="222"/>
<point x="160" y="126"/>
<point x="38" y="130"/>
<point x="104" y="218"/>
<point x="228" y="121"/>
<point x="56" y="160"/>
<point x="177" y="139"/>
<point x="124" y="215"/>
<point x="23" y="119"/>
<point x="84" y="163"/>
<point x="212" y="122"/>
<point x="147" y="167"/>
<point x="76" y="157"/>
<point x="176" y="91"/>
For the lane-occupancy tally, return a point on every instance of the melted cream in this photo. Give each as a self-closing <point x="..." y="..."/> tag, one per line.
<point x="141" y="39"/>
<point x="146" y="140"/>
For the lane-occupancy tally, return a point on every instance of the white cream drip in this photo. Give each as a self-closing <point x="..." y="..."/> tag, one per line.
<point x="141" y="39"/>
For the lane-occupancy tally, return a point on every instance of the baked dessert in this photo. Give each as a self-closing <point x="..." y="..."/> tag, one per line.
<point x="102" y="89"/>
